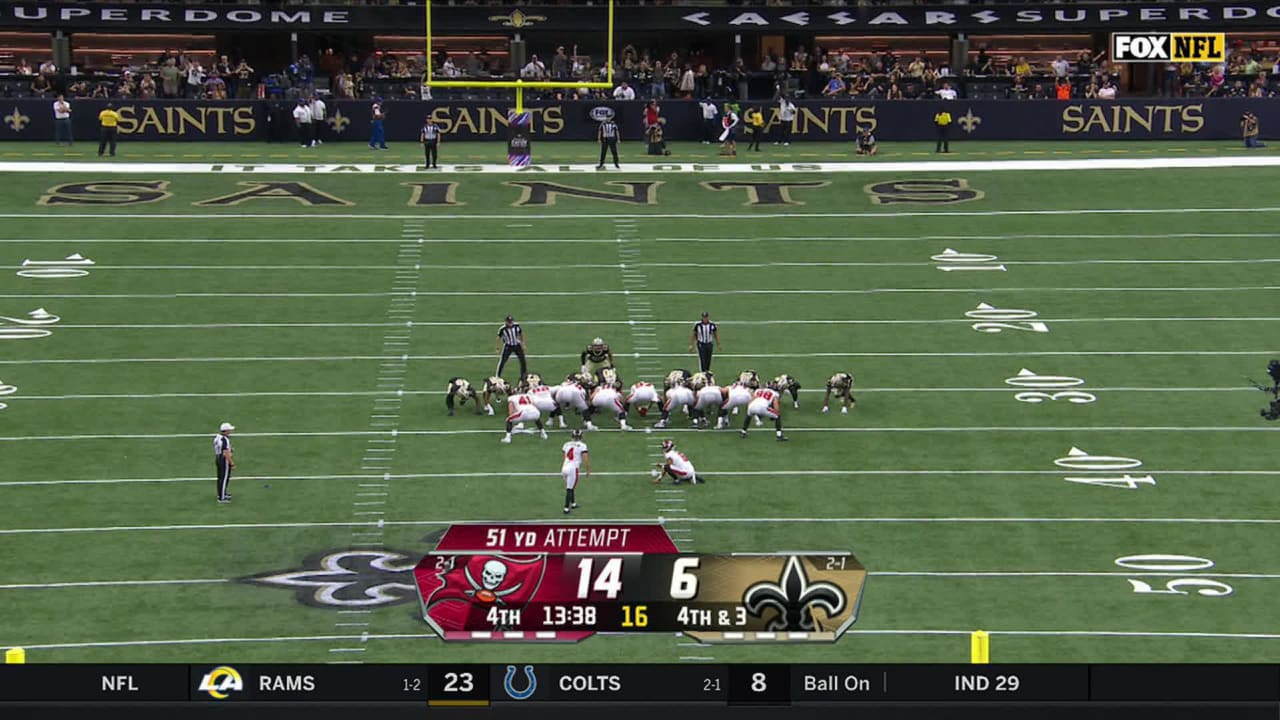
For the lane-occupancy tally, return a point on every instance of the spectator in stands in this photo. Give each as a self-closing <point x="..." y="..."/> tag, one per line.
<point x="1217" y="78"/>
<point x="982" y="65"/>
<point x="23" y="68"/>
<point x="799" y="60"/>
<point x="687" y="82"/>
<point x="1251" y="66"/>
<point x="658" y="88"/>
<point x="1107" y="91"/>
<point x="1062" y="90"/>
<point x="1258" y="88"/>
<point x="770" y="64"/>
<point x="1022" y="68"/>
<point x="946" y="92"/>
<point x="915" y="69"/>
<point x="701" y="81"/>
<point x="1019" y="90"/>
<point x="244" y="80"/>
<point x="1038" y="92"/>
<point x="560" y="64"/>
<point x="624" y="92"/>
<point x="147" y="87"/>
<point x="169" y="78"/>
<point x="344" y="87"/>
<point x="1061" y="68"/>
<point x="835" y="86"/>
<point x="449" y="70"/>
<point x="215" y="88"/>
<point x="40" y="85"/>
<point x="49" y="70"/>
<point x="195" y="78"/>
<point x="895" y="93"/>
<point x="1091" y="92"/>
<point x="534" y="69"/>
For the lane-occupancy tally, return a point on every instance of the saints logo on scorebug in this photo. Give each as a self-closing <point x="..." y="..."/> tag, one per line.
<point x="793" y="599"/>
<point x="348" y="579"/>
<point x="221" y="682"/>
<point x="16" y="121"/>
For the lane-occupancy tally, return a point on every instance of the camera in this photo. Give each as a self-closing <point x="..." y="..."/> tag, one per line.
<point x="1272" y="411"/>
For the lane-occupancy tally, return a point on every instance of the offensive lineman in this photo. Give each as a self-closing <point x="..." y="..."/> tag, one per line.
<point x="520" y="408"/>
<point x="709" y="398"/>
<point x="607" y="396"/>
<point x="737" y="395"/>
<point x="575" y="458"/>
<point x="765" y="404"/>
<point x="643" y="395"/>
<point x="570" y="394"/>
<point x="840" y="384"/>
<point x="679" y="396"/>
<point x="675" y="464"/>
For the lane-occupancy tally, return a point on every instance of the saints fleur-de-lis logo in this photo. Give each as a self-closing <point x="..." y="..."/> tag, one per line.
<point x="793" y="599"/>
<point x="16" y="121"/>
<point x="339" y="122"/>
<point x="969" y="122"/>
<point x="348" y="579"/>
<point x="517" y="19"/>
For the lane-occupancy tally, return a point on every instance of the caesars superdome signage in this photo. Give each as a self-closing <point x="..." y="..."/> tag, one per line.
<point x="881" y="19"/>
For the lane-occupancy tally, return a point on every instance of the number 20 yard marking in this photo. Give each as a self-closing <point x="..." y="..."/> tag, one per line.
<point x="987" y="312"/>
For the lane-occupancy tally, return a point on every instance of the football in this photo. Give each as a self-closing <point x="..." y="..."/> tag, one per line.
<point x="644" y="410"/>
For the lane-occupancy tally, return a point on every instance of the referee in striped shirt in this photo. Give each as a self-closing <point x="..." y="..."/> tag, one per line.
<point x="608" y="137"/>
<point x="705" y="333"/>
<point x="222" y="460"/>
<point x="511" y="341"/>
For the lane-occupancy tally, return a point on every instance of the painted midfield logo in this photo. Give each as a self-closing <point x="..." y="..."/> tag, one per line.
<point x="16" y="121"/>
<point x="793" y="599"/>
<point x="348" y="579"/>
<point x="517" y="19"/>
<point x="969" y="122"/>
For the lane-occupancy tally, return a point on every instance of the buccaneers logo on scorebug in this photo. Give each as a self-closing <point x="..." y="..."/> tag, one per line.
<point x="455" y="590"/>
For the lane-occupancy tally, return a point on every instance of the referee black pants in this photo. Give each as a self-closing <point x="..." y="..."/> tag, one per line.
<point x="430" y="150"/>
<point x="507" y="351"/>
<point x="609" y="146"/>
<point x="704" y="356"/>
<point x="224" y="476"/>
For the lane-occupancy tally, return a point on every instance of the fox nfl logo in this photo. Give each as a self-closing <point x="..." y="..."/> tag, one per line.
<point x="1169" y="47"/>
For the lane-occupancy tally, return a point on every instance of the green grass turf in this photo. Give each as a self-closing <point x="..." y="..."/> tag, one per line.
<point x="938" y="469"/>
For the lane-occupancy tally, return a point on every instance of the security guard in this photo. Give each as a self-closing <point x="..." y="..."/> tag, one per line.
<point x="222" y="460"/>
<point x="755" y="122"/>
<point x="431" y="142"/>
<point x="511" y="341"/>
<point x="942" y="121"/>
<point x="705" y="332"/>
<point x="607" y="135"/>
<point x="109" y="122"/>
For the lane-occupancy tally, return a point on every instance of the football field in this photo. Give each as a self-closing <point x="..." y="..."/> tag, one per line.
<point x="1054" y="440"/>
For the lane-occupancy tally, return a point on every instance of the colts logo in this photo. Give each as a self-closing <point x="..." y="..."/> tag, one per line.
<point x="221" y="682"/>
<point x="16" y="121"/>
<point x="529" y="677"/>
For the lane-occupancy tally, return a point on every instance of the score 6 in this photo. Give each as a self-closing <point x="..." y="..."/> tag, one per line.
<point x="684" y="584"/>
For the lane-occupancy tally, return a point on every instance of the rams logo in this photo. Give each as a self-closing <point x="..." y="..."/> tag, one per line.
<point x="221" y="682"/>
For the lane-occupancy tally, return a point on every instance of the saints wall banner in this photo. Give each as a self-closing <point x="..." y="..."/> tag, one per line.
<point x="890" y="120"/>
<point x="877" y="19"/>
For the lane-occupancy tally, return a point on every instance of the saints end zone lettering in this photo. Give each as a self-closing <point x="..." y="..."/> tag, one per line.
<point x="766" y="193"/>
<point x="300" y="192"/>
<point x="922" y="192"/>
<point x="538" y="193"/>
<point x="429" y="193"/>
<point x="107" y="192"/>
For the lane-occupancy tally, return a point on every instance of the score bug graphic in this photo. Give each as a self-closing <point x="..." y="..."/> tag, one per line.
<point x="642" y="587"/>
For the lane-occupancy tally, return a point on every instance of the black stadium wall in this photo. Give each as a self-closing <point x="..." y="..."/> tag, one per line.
<point x="257" y="120"/>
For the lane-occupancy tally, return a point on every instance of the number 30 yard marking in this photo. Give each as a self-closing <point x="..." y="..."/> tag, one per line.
<point x="6" y="390"/>
<point x="1028" y="379"/>
<point x="1203" y="586"/>
<point x="985" y="311"/>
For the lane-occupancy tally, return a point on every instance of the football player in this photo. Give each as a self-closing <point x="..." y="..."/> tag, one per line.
<point x="460" y="391"/>
<point x="708" y="400"/>
<point x="788" y="384"/>
<point x="520" y="409"/>
<point x="494" y="387"/>
<point x="840" y="385"/>
<point x="542" y="396"/>
<point x="576" y="458"/>
<point x="678" y="397"/>
<point x="750" y="378"/>
<point x="675" y="377"/>
<point x="570" y="394"/>
<point x="596" y="357"/>
<point x="643" y="395"/>
<point x="765" y="403"/>
<point x="735" y="396"/>
<point x="607" y="396"/>
<point x="676" y="465"/>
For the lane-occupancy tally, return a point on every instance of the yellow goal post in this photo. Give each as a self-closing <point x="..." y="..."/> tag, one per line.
<point x="520" y="84"/>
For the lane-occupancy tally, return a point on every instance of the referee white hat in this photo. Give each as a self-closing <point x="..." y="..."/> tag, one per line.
<point x="224" y="427"/>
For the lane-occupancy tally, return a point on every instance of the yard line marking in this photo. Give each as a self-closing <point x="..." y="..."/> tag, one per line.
<point x="735" y="473"/>
<point x="351" y="358"/>
<point x="708" y="520"/>
<point x="112" y="583"/>
<point x="428" y="433"/>
<point x="232" y="640"/>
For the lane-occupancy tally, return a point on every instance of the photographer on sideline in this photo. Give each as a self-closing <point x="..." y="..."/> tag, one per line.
<point x="866" y="142"/>
<point x="1249" y="129"/>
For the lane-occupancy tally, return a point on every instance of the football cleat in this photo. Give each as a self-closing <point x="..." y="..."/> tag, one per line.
<point x="562" y="422"/>
<point x="743" y="434"/>
<point x="488" y="409"/>
<point x="795" y="405"/>
<point x="591" y="426"/>
<point x="544" y="434"/>
<point x="506" y="439"/>
<point x="825" y="409"/>
<point x="759" y="422"/>
<point x="844" y="411"/>
<point x="782" y="438"/>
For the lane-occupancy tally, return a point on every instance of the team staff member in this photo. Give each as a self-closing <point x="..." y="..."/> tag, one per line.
<point x="607" y="135"/>
<point x="704" y="334"/>
<point x="109" y="126"/>
<point x="62" y="121"/>
<point x="511" y="341"/>
<point x="377" y="132"/>
<point x="222" y="460"/>
<point x="430" y="139"/>
<point x="576" y="458"/>
<point x="942" y="121"/>
<point x="302" y="121"/>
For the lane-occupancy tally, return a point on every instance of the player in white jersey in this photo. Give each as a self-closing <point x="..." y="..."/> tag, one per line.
<point x="737" y="395"/>
<point x="607" y="397"/>
<point x="708" y="398"/>
<point x="576" y="459"/>
<point x="520" y="408"/>
<point x="570" y="394"/>
<point x="678" y="397"/>
<point x="675" y="464"/>
<point x="642" y="396"/>
<point x="765" y="403"/>
<point x="541" y="393"/>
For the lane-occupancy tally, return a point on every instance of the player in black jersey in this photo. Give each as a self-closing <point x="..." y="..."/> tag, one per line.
<point x="460" y="391"/>
<point x="839" y="385"/>
<point x="788" y="384"/>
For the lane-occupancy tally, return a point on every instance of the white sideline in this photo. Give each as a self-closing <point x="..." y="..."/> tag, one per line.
<point x="761" y="168"/>
<point x="710" y="520"/>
